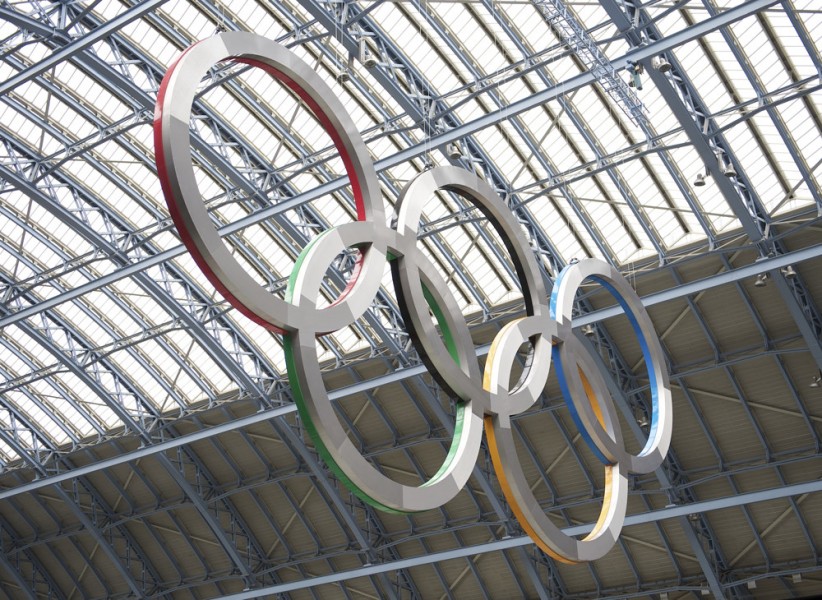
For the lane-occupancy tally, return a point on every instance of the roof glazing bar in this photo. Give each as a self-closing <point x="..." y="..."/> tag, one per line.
<point x="682" y="37"/>
<point x="70" y="49"/>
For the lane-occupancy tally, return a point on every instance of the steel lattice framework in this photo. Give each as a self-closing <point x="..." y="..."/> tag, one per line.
<point x="149" y="446"/>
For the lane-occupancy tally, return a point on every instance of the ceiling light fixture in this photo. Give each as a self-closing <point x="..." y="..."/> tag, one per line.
<point x="367" y="56"/>
<point x="453" y="151"/>
<point x="588" y="330"/>
<point x="761" y="280"/>
<point x="661" y="64"/>
<point x="725" y="163"/>
<point x="700" y="180"/>
<point x="816" y="381"/>
<point x="789" y="272"/>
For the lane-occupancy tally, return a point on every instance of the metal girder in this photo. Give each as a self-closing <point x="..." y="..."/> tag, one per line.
<point x="693" y="116"/>
<point x="573" y="33"/>
<point x="775" y="117"/>
<point x="398" y="77"/>
<point x="70" y="48"/>
<point x="126" y="417"/>
<point x="87" y="523"/>
<point x="283" y="430"/>
<point x="729" y="16"/>
<point x="666" y="481"/>
<point x="649" y="517"/>
<point x="695" y="287"/>
<point x="686" y="105"/>
<point x="516" y="123"/>
<point x="17" y="576"/>
<point x="334" y="23"/>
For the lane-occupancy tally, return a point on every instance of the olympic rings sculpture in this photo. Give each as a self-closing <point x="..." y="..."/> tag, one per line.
<point x="486" y="401"/>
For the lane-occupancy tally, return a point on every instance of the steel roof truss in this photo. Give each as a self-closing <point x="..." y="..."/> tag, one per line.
<point x="687" y="106"/>
<point x="652" y="49"/>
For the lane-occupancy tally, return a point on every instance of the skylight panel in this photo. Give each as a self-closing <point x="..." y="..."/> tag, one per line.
<point x="573" y="134"/>
<point x="12" y="366"/>
<point x="210" y="376"/>
<point x="46" y="423"/>
<point x="775" y="147"/>
<point x="256" y="18"/>
<point x="115" y="316"/>
<point x="562" y="68"/>
<point x="708" y="197"/>
<point x="470" y="110"/>
<point x="67" y="413"/>
<point x="89" y="401"/>
<point x="562" y="227"/>
<point x="762" y="58"/>
<point x="446" y="42"/>
<point x="553" y="142"/>
<point x="675" y="196"/>
<point x="486" y="45"/>
<point x="348" y="341"/>
<point x="192" y="22"/>
<point x="86" y="327"/>
<point x="601" y="121"/>
<point x="140" y="299"/>
<point x="419" y="36"/>
<point x="183" y="263"/>
<point x="49" y="226"/>
<point x="270" y="344"/>
<point x="659" y="216"/>
<point x="495" y="41"/>
<point x="145" y="382"/>
<point x="801" y="62"/>
<point x="8" y="455"/>
<point x="90" y="95"/>
<point x="622" y="223"/>
<point x="155" y="45"/>
<point x="10" y="263"/>
<point x="512" y="91"/>
<point x="795" y="116"/>
<point x="703" y="76"/>
<point x="757" y="168"/>
<point x="498" y="149"/>
<point x="108" y="9"/>
<point x="36" y="352"/>
<point x="31" y="250"/>
<point x="15" y="122"/>
<point x="531" y="25"/>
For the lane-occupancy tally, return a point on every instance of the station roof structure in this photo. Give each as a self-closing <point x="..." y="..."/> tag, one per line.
<point x="149" y="443"/>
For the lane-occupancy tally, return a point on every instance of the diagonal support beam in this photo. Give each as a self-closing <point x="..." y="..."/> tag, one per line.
<point x="648" y="517"/>
<point x="740" y="196"/>
<point x="645" y="53"/>
<point x="72" y="48"/>
<point x="814" y="252"/>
